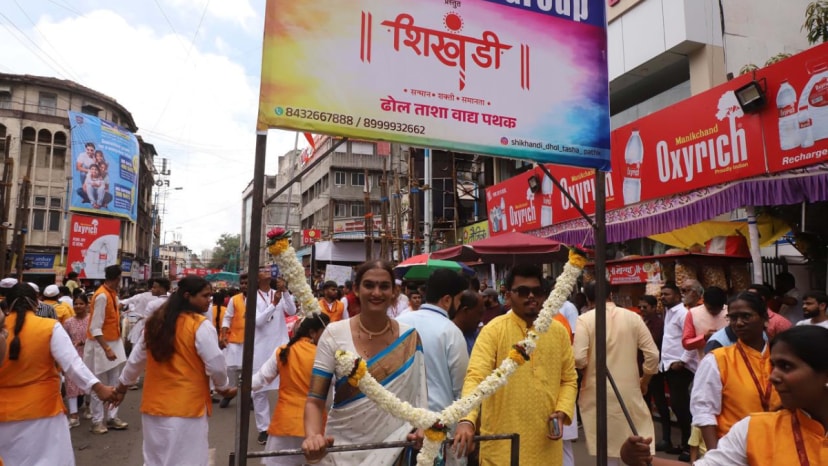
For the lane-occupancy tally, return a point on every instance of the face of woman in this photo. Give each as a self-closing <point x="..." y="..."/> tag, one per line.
<point x="201" y="300"/>
<point x="376" y="291"/>
<point x="745" y="322"/>
<point x="798" y="385"/>
<point x="80" y="307"/>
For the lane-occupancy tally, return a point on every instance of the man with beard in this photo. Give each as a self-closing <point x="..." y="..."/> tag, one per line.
<point x="444" y="347"/>
<point x="538" y="395"/>
<point x="814" y="304"/>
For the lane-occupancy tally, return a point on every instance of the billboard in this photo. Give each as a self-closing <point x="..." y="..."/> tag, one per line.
<point x="517" y="79"/>
<point x="104" y="167"/>
<point x="93" y="245"/>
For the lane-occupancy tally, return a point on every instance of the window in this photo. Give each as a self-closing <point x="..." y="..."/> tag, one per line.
<point x="47" y="103"/>
<point x="55" y="203"/>
<point x="90" y="110"/>
<point x="357" y="179"/>
<point x="40" y="201"/>
<point x="5" y="98"/>
<point x="54" y="220"/>
<point x="357" y="210"/>
<point x="341" y="210"/>
<point x="339" y="178"/>
<point x="38" y="219"/>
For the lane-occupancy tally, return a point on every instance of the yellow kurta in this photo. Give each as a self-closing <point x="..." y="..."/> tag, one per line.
<point x="626" y="334"/>
<point x="543" y="385"/>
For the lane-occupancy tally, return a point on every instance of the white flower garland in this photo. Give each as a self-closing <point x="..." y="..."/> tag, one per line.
<point x="347" y="362"/>
<point x="293" y="272"/>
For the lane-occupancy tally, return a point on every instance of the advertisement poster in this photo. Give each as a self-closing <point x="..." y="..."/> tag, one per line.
<point x="796" y="115"/>
<point x="624" y="273"/>
<point x="475" y="232"/>
<point x="38" y="263"/>
<point x="93" y="245"/>
<point x="513" y="206"/>
<point x="311" y="236"/>
<point x="700" y="142"/>
<point x="104" y="167"/>
<point x="500" y="77"/>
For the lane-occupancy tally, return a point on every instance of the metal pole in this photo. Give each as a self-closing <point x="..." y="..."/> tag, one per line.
<point x="5" y="190"/>
<point x="601" y="293"/>
<point x="428" y="207"/>
<point x="569" y="197"/>
<point x="65" y="219"/>
<point x="304" y="172"/>
<point x="623" y="406"/>
<point x="243" y="418"/>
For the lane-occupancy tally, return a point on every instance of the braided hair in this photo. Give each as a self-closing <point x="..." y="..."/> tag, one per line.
<point x="316" y="322"/>
<point x="23" y="299"/>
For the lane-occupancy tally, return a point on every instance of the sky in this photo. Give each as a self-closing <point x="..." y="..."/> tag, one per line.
<point x="187" y="70"/>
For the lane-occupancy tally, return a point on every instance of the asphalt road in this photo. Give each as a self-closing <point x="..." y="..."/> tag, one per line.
<point x="123" y="448"/>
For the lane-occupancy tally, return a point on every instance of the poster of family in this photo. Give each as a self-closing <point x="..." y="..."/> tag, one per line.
<point x="104" y="167"/>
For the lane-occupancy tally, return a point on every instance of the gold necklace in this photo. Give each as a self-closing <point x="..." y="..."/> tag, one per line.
<point x="371" y="334"/>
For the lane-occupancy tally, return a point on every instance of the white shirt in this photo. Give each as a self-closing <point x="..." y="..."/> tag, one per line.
<point x="206" y="343"/>
<point x="395" y="310"/>
<point x="67" y="357"/>
<point x="570" y="312"/>
<point x="671" y="348"/>
<point x="824" y="323"/>
<point x="138" y="303"/>
<point x="732" y="448"/>
<point x="446" y="355"/>
<point x="706" y="396"/>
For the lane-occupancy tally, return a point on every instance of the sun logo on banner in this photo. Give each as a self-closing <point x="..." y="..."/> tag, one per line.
<point x="453" y="22"/>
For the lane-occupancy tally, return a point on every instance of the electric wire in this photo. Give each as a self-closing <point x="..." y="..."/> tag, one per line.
<point x="72" y="73"/>
<point x="61" y="72"/>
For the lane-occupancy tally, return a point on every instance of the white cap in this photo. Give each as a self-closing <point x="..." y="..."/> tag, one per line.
<point x="398" y="282"/>
<point x="36" y="288"/>
<point x="8" y="282"/>
<point x="51" y="291"/>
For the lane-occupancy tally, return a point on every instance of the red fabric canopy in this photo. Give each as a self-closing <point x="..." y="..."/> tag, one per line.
<point x="508" y="248"/>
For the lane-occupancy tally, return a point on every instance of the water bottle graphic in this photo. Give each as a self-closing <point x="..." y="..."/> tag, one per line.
<point x="504" y="224"/>
<point x="806" y="127"/>
<point x="103" y="254"/>
<point x="788" y="122"/>
<point x="633" y="156"/>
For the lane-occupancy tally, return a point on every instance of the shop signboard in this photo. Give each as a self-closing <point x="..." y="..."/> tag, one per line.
<point x="795" y="117"/>
<point x="475" y="232"/>
<point x="93" y="245"/>
<point x="311" y="236"/>
<point x="501" y="77"/>
<point x="38" y="263"/>
<point x="631" y="272"/>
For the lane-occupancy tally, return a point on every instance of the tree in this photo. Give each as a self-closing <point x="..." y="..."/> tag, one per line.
<point x="226" y="252"/>
<point x="816" y="21"/>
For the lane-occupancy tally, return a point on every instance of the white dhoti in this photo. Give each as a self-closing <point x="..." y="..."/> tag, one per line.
<point x="175" y="441"/>
<point x="37" y="442"/>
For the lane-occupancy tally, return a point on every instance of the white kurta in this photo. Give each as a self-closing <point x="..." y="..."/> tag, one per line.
<point x="93" y="355"/>
<point x="143" y="310"/>
<point x="164" y="436"/>
<point x="271" y="329"/>
<point x="22" y="442"/>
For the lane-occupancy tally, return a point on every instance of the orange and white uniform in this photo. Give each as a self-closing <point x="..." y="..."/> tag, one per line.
<point x="176" y="399"/>
<point x="31" y="408"/>
<point x="104" y="320"/>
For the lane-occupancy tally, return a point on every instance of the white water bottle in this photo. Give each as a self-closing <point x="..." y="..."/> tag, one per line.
<point x="788" y="122"/>
<point x="504" y="223"/>
<point x="633" y="156"/>
<point x="806" y="127"/>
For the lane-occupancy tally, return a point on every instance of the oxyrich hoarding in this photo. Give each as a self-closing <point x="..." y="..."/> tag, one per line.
<point x="93" y="245"/>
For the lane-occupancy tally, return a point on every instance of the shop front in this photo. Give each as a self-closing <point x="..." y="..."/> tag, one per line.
<point x="758" y="140"/>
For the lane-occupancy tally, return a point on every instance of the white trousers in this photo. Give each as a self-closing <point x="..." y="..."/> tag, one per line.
<point x="568" y="454"/>
<point x="261" y="409"/>
<point x="99" y="413"/>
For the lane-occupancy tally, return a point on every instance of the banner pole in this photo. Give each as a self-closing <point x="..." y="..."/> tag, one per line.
<point x="601" y="293"/>
<point x="243" y="418"/>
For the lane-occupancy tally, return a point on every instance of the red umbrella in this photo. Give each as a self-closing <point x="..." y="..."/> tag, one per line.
<point x="508" y="248"/>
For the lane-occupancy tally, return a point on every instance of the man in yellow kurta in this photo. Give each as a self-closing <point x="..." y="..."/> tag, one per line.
<point x="626" y="335"/>
<point x="542" y="389"/>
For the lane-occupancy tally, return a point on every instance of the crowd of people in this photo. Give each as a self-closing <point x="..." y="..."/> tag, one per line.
<point x="745" y="383"/>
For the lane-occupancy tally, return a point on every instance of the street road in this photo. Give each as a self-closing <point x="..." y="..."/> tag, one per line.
<point x="123" y="448"/>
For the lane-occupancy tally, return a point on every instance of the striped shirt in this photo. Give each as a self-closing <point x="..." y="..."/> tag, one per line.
<point x="45" y="310"/>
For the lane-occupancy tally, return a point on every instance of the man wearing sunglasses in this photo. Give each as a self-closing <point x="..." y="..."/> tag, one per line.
<point x="540" y="396"/>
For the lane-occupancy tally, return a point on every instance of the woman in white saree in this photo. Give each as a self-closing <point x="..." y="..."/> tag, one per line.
<point x="394" y="356"/>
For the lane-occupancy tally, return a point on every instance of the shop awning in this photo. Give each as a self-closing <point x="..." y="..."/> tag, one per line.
<point x="770" y="230"/>
<point x="670" y="213"/>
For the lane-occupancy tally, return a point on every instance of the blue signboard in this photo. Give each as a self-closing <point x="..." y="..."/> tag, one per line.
<point x="34" y="262"/>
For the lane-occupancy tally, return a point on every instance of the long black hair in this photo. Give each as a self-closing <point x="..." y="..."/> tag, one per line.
<point x="160" y="329"/>
<point x="317" y="321"/>
<point x="23" y="298"/>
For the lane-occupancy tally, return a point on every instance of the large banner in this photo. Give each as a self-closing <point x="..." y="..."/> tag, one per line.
<point x="93" y="245"/>
<point x="104" y="167"/>
<point x="796" y="116"/>
<point x="521" y="79"/>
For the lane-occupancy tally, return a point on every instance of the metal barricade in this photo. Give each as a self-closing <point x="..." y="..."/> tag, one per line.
<point x="514" y="453"/>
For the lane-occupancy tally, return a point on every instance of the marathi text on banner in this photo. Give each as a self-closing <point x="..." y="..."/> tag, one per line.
<point x="479" y="76"/>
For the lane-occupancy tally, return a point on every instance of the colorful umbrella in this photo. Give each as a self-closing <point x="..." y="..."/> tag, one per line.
<point x="420" y="267"/>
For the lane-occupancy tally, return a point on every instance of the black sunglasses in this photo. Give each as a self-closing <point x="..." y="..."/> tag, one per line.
<point x="523" y="291"/>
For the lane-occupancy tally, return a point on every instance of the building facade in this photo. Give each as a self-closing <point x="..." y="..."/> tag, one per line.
<point x="35" y="128"/>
